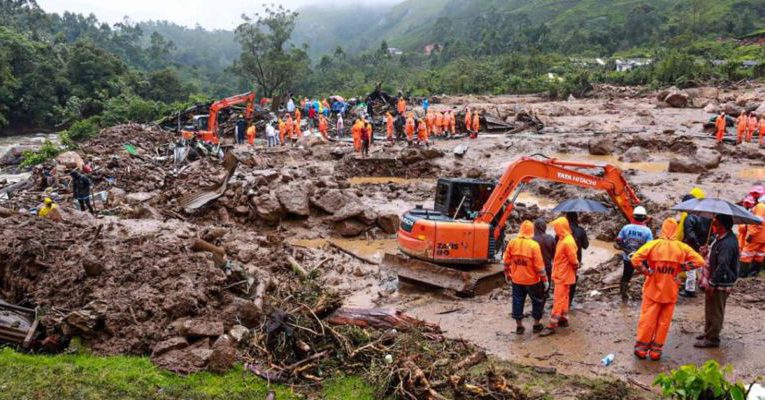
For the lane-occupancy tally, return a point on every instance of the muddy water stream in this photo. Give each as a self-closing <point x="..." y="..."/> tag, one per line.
<point x="647" y="166"/>
<point x="9" y="142"/>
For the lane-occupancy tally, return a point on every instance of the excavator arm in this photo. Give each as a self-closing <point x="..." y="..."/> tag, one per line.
<point x="497" y="208"/>
<point x="248" y="98"/>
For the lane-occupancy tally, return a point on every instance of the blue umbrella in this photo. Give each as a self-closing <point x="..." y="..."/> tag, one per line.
<point x="580" y="205"/>
<point x="711" y="207"/>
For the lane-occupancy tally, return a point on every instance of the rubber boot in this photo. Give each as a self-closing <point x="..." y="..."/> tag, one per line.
<point x="624" y="291"/>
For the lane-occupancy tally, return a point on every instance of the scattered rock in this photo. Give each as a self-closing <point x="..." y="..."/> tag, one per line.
<point x="92" y="267"/>
<point x="294" y="198"/>
<point x="389" y="223"/>
<point x="460" y="150"/>
<point x="709" y="158"/>
<point x="349" y="210"/>
<point x="14" y="156"/>
<point x="70" y="160"/>
<point x="601" y="146"/>
<point x="635" y="154"/>
<point x="350" y="227"/>
<point x="196" y="327"/>
<point x="238" y="332"/>
<point x="269" y="208"/>
<point x="333" y="200"/>
<point x="685" y="164"/>
<point x="223" y="355"/>
<point x="175" y="343"/>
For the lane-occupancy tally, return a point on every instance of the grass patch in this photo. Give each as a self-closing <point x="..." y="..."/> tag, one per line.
<point x="78" y="376"/>
<point x="348" y="387"/>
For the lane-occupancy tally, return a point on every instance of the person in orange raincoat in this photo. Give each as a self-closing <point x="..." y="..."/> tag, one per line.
<point x="289" y="127"/>
<point x="565" y="264"/>
<point x="422" y="132"/>
<point x="660" y="260"/>
<point x="468" y="121"/>
<point x="452" y="123"/>
<point x="720" y="124"/>
<point x="389" y="126"/>
<point x="525" y="268"/>
<point x="752" y="244"/>
<point x="762" y="128"/>
<point x="297" y="119"/>
<point x="251" y="134"/>
<point x="282" y="131"/>
<point x="476" y="124"/>
<point x="295" y="133"/>
<point x="356" y="134"/>
<point x="741" y="123"/>
<point x="409" y="128"/>
<point x="751" y="127"/>
<point x="323" y="126"/>
<point x="401" y="106"/>
<point x="439" y="122"/>
<point x="430" y="120"/>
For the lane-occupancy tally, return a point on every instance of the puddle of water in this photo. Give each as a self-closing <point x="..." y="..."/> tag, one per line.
<point x="648" y="166"/>
<point x="754" y="174"/>
<point x="308" y="243"/>
<point x="370" y="250"/>
<point x="383" y="180"/>
<point x="599" y="252"/>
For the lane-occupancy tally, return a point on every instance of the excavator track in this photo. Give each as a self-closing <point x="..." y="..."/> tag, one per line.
<point x="465" y="281"/>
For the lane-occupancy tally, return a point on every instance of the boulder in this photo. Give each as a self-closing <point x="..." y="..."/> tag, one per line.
<point x="712" y="108"/>
<point x="14" y="156"/>
<point x="709" y="158"/>
<point x="116" y="197"/>
<point x="198" y="327"/>
<point x="70" y="160"/>
<point x="368" y="216"/>
<point x="350" y="210"/>
<point x="186" y="360"/>
<point x="269" y="208"/>
<point x="175" y="343"/>
<point x="333" y="200"/>
<point x="745" y="99"/>
<point x="389" y="223"/>
<point x="601" y="146"/>
<point x="731" y="109"/>
<point x="635" y="154"/>
<point x="350" y="227"/>
<point x="223" y="355"/>
<point x="676" y="99"/>
<point x="460" y="150"/>
<point x="760" y="111"/>
<point x="243" y="310"/>
<point x="702" y="161"/>
<point x="295" y="198"/>
<point x="238" y="332"/>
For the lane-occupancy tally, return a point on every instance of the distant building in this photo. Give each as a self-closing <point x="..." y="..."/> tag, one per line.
<point x="394" y="51"/>
<point x="630" y="63"/>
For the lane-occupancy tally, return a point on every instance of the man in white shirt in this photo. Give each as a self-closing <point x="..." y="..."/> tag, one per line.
<point x="270" y="135"/>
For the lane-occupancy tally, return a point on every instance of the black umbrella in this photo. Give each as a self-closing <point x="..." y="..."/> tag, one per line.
<point x="711" y="207"/>
<point x="580" y="205"/>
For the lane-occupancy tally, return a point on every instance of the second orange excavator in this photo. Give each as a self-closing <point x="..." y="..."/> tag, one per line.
<point x="456" y="245"/>
<point x="205" y="127"/>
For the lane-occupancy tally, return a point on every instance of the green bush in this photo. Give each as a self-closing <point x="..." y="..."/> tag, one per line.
<point x="83" y="129"/>
<point x="707" y="382"/>
<point x="47" y="151"/>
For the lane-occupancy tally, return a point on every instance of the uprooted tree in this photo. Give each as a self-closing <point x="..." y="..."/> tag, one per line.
<point x="266" y="56"/>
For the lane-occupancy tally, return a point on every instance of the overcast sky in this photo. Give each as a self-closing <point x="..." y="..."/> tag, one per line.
<point x="211" y="14"/>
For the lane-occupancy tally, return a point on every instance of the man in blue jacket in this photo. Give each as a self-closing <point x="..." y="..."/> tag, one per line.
<point x="631" y="238"/>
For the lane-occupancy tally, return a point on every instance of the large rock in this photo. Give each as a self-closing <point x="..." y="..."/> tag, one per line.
<point x="198" y="327"/>
<point x="223" y="355"/>
<point x="349" y="210"/>
<point x="243" y="310"/>
<point x="601" y="146"/>
<point x="333" y="200"/>
<point x="388" y="223"/>
<point x="175" y="343"/>
<point x="269" y="208"/>
<point x="731" y="109"/>
<point x="635" y="154"/>
<point x="350" y="227"/>
<point x="295" y="198"/>
<point x="760" y="111"/>
<point x="709" y="158"/>
<point x="186" y="360"/>
<point x="703" y="160"/>
<point x="70" y="160"/>
<point x="14" y="156"/>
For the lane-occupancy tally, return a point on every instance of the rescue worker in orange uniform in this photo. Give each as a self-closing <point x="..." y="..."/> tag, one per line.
<point x="660" y="260"/>
<point x="741" y="123"/>
<point x="762" y="128"/>
<point x="296" y="133"/>
<point x="389" y="127"/>
<point x="720" y="128"/>
<point x="401" y="106"/>
<point x="751" y="127"/>
<point x="452" y="123"/>
<point x="323" y="126"/>
<point x="297" y="120"/>
<point x="439" y="123"/>
<point x="289" y="127"/>
<point x="476" y="124"/>
<point x="468" y="121"/>
<point x="753" y="243"/>
<point x="525" y="268"/>
<point x="430" y="121"/>
<point x="356" y="134"/>
<point x="565" y="264"/>
<point x="251" y="134"/>
<point x="409" y="128"/>
<point x="422" y="132"/>
<point x="282" y="131"/>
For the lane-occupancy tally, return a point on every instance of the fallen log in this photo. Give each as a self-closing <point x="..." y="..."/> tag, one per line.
<point x="470" y="361"/>
<point x="380" y="318"/>
<point x="417" y="383"/>
<point x="260" y="291"/>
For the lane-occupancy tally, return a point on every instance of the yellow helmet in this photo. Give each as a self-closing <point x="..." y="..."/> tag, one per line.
<point x="47" y="201"/>
<point x="697" y="193"/>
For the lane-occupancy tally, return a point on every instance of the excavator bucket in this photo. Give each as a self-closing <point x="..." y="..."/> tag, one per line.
<point x="467" y="281"/>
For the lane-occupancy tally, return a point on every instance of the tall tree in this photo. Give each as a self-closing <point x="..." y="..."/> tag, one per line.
<point x="266" y="56"/>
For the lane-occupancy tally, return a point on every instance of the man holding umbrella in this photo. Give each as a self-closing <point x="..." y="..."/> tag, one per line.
<point x="718" y="280"/>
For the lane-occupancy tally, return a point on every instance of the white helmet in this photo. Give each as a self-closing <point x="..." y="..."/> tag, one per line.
<point x="639" y="213"/>
<point x="761" y="199"/>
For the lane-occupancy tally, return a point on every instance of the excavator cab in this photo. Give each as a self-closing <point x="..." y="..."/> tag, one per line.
<point x="200" y="122"/>
<point x="462" y="198"/>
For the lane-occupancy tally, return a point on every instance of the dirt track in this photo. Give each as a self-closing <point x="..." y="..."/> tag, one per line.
<point x="292" y="201"/>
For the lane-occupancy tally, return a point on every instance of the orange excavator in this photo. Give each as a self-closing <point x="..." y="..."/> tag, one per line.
<point x="205" y="127"/>
<point x="455" y="245"/>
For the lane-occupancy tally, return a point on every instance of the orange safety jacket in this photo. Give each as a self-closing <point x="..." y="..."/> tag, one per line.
<point x="410" y="127"/>
<point x="661" y="260"/>
<point x="565" y="261"/>
<point x="720" y="124"/>
<point x="741" y="123"/>
<point x="476" y="122"/>
<point x="752" y="124"/>
<point x="389" y="124"/>
<point x="468" y="120"/>
<point x="422" y="131"/>
<point x="523" y="260"/>
<point x="401" y="106"/>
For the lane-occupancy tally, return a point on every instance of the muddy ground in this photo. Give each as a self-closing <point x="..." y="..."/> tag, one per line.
<point x="336" y="213"/>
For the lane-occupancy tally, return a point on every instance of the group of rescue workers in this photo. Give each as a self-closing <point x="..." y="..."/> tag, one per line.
<point x="747" y="126"/>
<point x="399" y="123"/>
<point x="684" y="244"/>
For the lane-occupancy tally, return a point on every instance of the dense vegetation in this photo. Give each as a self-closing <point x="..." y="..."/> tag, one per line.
<point x="72" y="71"/>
